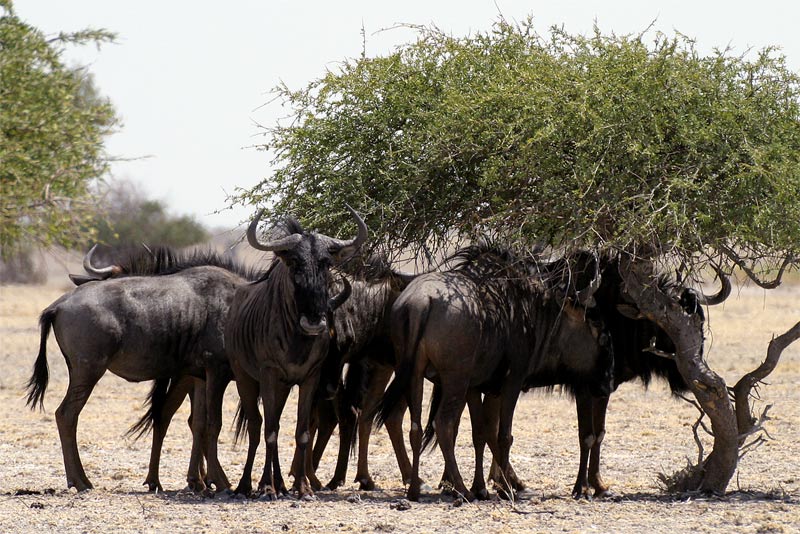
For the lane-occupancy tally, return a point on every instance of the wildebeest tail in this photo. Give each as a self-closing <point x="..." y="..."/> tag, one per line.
<point x="429" y="436"/>
<point x="394" y="393"/>
<point x="351" y="400"/>
<point x="155" y="402"/>
<point x="37" y="384"/>
<point x="240" y="424"/>
<point x="406" y="335"/>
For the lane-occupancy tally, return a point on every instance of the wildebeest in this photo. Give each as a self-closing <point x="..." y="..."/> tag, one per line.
<point x="160" y="317"/>
<point x="166" y="394"/>
<point x="640" y="346"/>
<point x="486" y="326"/>
<point x="361" y="352"/>
<point x="277" y="336"/>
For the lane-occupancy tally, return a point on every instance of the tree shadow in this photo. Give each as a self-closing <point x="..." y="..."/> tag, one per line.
<point x="772" y="495"/>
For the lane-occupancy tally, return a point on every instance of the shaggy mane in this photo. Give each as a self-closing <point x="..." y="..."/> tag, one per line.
<point x="163" y="260"/>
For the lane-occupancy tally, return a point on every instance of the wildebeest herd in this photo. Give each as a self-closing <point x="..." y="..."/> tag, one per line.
<point x="485" y="327"/>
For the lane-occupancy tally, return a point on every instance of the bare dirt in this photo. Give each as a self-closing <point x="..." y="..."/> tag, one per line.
<point x="648" y="433"/>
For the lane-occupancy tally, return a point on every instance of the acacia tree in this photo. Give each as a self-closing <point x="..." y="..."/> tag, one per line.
<point x="52" y="127"/>
<point x="635" y="143"/>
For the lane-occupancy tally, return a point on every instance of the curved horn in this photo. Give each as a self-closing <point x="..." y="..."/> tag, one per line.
<point x="285" y="243"/>
<point x="344" y="248"/>
<point x="585" y="296"/>
<point x="343" y="295"/>
<point x="723" y="294"/>
<point x="101" y="272"/>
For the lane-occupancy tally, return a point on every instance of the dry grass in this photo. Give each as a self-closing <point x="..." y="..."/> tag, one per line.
<point x="648" y="433"/>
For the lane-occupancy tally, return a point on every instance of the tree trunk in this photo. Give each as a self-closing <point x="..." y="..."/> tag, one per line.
<point x="686" y="332"/>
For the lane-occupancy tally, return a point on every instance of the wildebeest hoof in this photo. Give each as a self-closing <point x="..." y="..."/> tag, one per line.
<point x="309" y="497"/>
<point x="153" y="486"/>
<point x="243" y="491"/>
<point x="606" y="494"/>
<point x="481" y="494"/>
<point x="333" y="484"/>
<point x="316" y="485"/>
<point x="197" y="486"/>
<point x="461" y="499"/>
<point x="366" y="484"/>
<point x="268" y="496"/>
<point x="581" y="492"/>
<point x="413" y="494"/>
<point x="80" y="486"/>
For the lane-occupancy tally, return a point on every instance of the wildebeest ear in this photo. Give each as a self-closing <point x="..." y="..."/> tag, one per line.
<point x="80" y="279"/>
<point x="630" y="311"/>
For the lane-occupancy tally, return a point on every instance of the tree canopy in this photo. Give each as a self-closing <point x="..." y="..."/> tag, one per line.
<point x="637" y="142"/>
<point x="52" y="127"/>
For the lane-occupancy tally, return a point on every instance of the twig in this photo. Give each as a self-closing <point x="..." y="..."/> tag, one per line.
<point x="658" y="352"/>
<point x="695" y="426"/>
<point x="144" y="512"/>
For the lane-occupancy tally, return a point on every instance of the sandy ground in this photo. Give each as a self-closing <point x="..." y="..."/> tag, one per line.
<point x="648" y="433"/>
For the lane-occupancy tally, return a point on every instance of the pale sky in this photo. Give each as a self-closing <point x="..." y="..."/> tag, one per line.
<point x="189" y="79"/>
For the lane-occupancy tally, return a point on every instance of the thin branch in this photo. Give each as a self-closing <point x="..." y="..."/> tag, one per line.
<point x="652" y="349"/>
<point x="695" y="426"/>
<point x="739" y="261"/>
<point x="742" y="389"/>
<point x="750" y="447"/>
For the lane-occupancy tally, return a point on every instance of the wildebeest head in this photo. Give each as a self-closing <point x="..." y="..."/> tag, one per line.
<point x="306" y="258"/>
<point x="156" y="261"/>
<point x="636" y="338"/>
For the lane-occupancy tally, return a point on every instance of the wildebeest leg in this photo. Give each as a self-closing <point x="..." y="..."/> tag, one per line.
<point x="326" y="420"/>
<point x="176" y="393"/>
<point x="347" y="420"/>
<point x="81" y="383"/>
<point x="308" y="455"/>
<point x="445" y="480"/>
<point x="393" y="424"/>
<point x="509" y="395"/>
<point x="273" y="398"/>
<point x="479" y="429"/>
<point x="583" y="403"/>
<point x="302" y="435"/>
<point x="200" y="454"/>
<point x="491" y="418"/>
<point x="307" y="458"/>
<point x="277" y="476"/>
<point x="296" y="459"/>
<point x="195" y="477"/>
<point x="449" y="412"/>
<point x="415" y="434"/>
<point x="216" y="382"/>
<point x="248" y="393"/>
<point x="599" y="406"/>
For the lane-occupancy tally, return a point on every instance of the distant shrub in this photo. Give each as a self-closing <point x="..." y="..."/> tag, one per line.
<point x="130" y="218"/>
